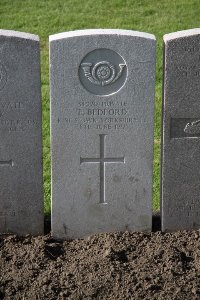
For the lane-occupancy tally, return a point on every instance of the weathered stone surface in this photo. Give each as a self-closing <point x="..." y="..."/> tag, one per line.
<point x="181" y="131"/>
<point x="102" y="107"/>
<point x="21" y="192"/>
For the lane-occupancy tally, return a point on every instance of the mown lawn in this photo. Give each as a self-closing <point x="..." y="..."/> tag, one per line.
<point x="46" y="17"/>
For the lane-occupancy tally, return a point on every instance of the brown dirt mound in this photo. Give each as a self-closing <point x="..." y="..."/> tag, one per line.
<point x="106" y="266"/>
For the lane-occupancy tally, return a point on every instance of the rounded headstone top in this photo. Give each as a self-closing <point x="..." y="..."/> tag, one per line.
<point x="180" y="34"/>
<point x="18" y="34"/>
<point x="86" y="32"/>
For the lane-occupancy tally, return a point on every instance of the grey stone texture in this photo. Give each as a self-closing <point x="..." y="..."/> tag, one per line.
<point x="21" y="191"/>
<point x="102" y="108"/>
<point x="180" y="183"/>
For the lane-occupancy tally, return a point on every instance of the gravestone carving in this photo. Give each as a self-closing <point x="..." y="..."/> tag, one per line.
<point x="102" y="160"/>
<point x="102" y="107"/>
<point x="181" y="131"/>
<point x="21" y="192"/>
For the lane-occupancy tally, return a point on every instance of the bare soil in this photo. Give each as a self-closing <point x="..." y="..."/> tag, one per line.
<point x="106" y="266"/>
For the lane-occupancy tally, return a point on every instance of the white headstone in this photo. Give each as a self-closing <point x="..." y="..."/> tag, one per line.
<point x="21" y="192"/>
<point x="181" y="131"/>
<point x="102" y="108"/>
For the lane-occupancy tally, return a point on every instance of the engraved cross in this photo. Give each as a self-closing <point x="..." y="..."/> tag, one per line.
<point x="6" y="163"/>
<point x="102" y="160"/>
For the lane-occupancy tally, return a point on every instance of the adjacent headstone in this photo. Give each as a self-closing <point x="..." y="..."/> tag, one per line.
<point x="181" y="131"/>
<point x="21" y="193"/>
<point x="102" y="108"/>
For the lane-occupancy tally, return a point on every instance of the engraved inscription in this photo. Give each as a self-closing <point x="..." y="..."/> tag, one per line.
<point x="11" y="125"/>
<point x="188" y="71"/>
<point x="184" y="128"/>
<point x="17" y="122"/>
<point x="190" y="65"/>
<point x="104" y="112"/>
<point x="101" y="115"/>
<point x="7" y="213"/>
<point x="10" y="106"/>
<point x="192" y="48"/>
<point x="13" y="214"/>
<point x="3" y="76"/>
<point x="103" y="72"/>
<point x="102" y="160"/>
<point x="187" y="210"/>
<point x="108" y="103"/>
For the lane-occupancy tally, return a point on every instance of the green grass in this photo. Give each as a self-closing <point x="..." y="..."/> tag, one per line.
<point x="46" y="17"/>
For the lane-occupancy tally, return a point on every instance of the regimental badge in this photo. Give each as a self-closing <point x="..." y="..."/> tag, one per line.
<point x="103" y="72"/>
